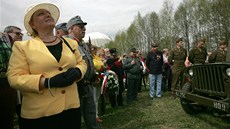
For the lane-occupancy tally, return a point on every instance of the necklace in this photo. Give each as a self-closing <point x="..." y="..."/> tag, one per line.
<point x="51" y="41"/>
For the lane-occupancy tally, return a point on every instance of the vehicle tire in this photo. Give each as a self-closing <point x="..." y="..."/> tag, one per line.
<point x="189" y="106"/>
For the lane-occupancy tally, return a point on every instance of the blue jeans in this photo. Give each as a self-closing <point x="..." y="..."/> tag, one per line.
<point x="155" y="79"/>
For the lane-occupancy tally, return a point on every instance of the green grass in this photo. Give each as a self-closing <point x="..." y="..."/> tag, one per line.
<point x="159" y="113"/>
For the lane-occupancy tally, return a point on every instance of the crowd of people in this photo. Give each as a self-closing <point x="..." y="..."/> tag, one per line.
<point x="55" y="78"/>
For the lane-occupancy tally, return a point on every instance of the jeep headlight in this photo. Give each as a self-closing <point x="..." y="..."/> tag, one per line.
<point x="190" y="72"/>
<point x="228" y="71"/>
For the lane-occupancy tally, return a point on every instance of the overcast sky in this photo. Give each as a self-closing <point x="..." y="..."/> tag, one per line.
<point x="105" y="16"/>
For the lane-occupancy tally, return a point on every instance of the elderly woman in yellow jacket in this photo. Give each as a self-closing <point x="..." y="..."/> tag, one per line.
<point x="46" y="68"/>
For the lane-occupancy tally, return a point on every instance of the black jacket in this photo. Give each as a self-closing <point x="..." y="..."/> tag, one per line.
<point x="154" y="62"/>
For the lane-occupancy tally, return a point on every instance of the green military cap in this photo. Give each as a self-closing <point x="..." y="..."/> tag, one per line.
<point x="75" y="21"/>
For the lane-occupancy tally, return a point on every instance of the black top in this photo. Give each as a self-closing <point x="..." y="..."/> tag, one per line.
<point x="56" y="50"/>
<point x="111" y="63"/>
<point x="154" y="62"/>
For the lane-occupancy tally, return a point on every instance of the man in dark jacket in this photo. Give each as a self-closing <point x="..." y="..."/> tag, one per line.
<point x="133" y="68"/>
<point x="115" y="64"/>
<point x="154" y="62"/>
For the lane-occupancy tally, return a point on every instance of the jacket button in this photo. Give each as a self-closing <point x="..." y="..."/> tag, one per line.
<point x="63" y="91"/>
<point x="60" y="68"/>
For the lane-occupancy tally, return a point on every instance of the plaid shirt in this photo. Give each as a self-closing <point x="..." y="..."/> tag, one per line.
<point x="5" y="52"/>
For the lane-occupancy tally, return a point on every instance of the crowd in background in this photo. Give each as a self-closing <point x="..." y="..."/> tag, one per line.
<point x="72" y="75"/>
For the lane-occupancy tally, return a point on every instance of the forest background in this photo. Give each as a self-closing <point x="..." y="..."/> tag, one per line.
<point x="192" y="20"/>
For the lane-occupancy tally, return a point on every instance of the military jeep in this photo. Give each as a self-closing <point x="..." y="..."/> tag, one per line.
<point x="206" y="86"/>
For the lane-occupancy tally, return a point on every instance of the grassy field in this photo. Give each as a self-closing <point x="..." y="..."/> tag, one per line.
<point x="159" y="113"/>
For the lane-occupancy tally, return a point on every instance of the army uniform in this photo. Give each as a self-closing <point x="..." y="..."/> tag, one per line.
<point x="177" y="58"/>
<point x="217" y="56"/>
<point x="198" y="55"/>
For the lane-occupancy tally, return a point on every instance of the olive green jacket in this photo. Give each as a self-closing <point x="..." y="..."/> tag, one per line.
<point x="177" y="58"/>
<point x="217" y="56"/>
<point x="197" y="56"/>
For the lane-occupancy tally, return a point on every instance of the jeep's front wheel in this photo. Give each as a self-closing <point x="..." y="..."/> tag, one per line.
<point x="189" y="106"/>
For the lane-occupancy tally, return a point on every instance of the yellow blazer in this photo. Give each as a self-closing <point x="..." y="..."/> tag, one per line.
<point x="29" y="61"/>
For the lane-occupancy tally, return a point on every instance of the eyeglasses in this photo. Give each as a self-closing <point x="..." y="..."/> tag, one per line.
<point x="18" y="33"/>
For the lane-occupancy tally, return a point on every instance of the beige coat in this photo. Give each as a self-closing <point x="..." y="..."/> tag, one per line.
<point x="29" y="61"/>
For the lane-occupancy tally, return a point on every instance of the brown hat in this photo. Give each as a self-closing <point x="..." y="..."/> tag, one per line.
<point x="222" y="43"/>
<point x="154" y="45"/>
<point x="178" y="40"/>
<point x="201" y="40"/>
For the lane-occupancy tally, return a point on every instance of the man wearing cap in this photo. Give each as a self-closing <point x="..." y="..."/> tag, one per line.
<point x="133" y="68"/>
<point x="198" y="54"/>
<point x="115" y="64"/>
<point x="177" y="57"/>
<point x="61" y="30"/>
<point x="154" y="62"/>
<point x="76" y="29"/>
<point x="219" y="55"/>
